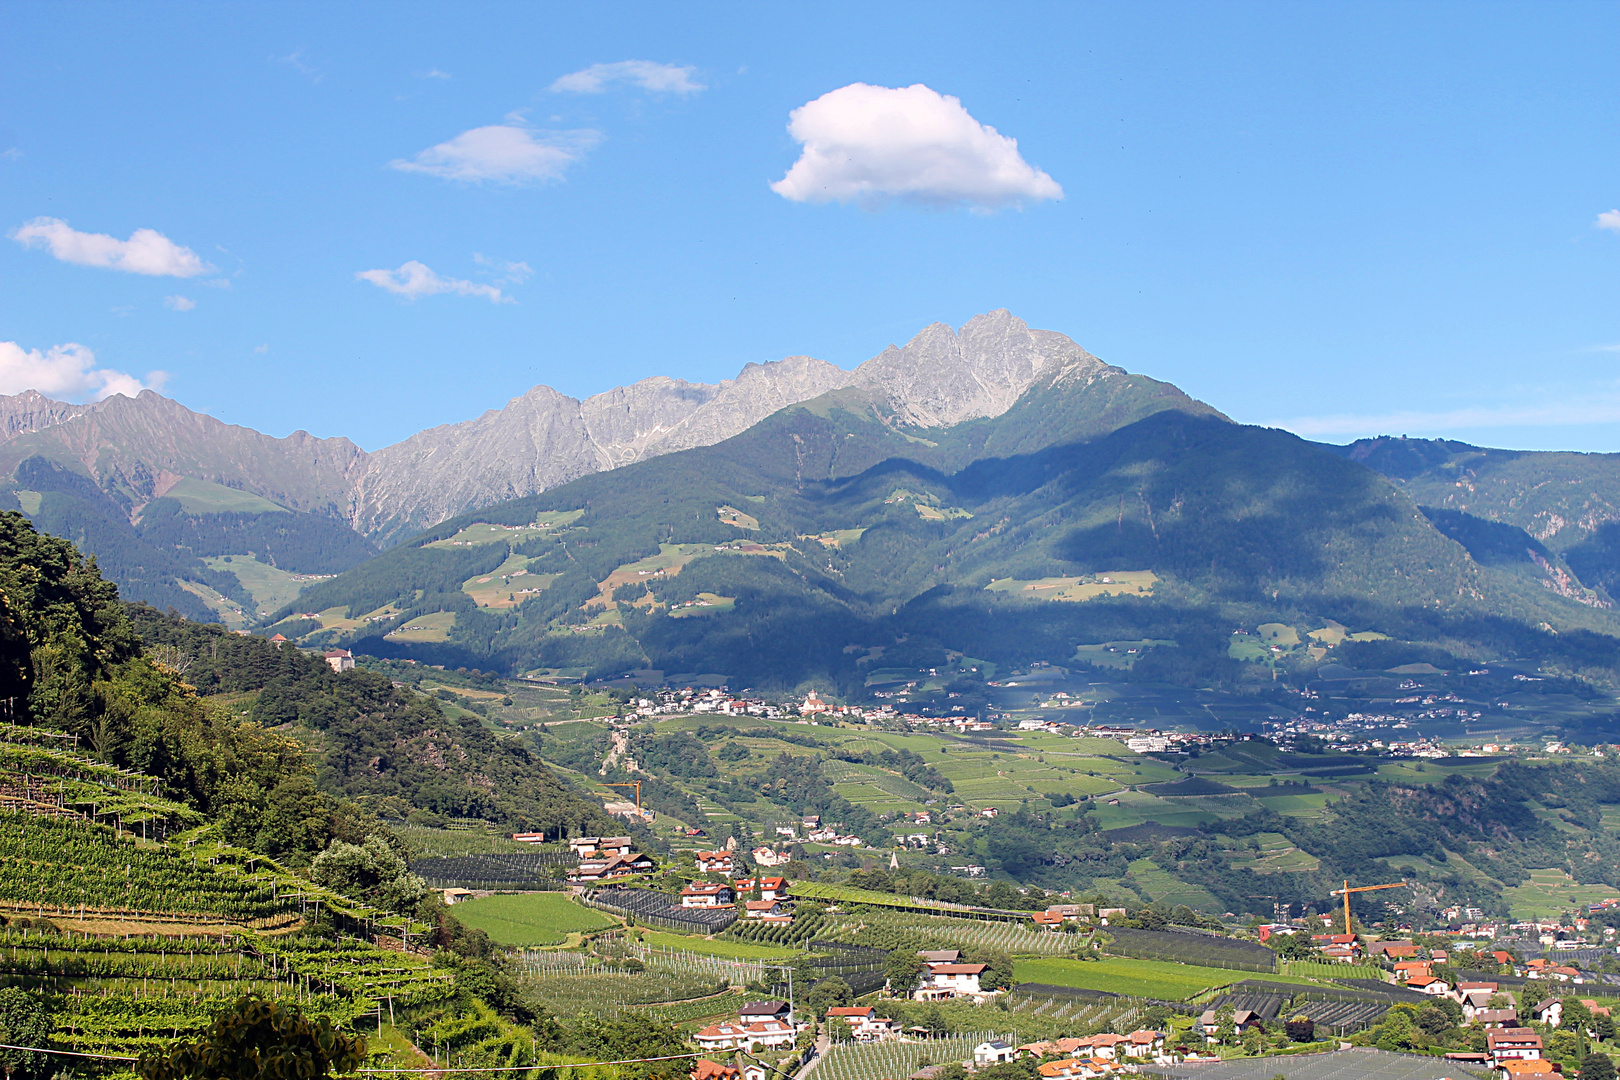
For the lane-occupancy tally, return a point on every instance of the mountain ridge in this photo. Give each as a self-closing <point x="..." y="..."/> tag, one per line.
<point x="131" y="448"/>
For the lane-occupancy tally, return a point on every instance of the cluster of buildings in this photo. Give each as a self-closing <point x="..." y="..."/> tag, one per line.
<point x="771" y="906"/>
<point x="603" y="858"/>
<point x="759" y="1025"/>
<point x="1107" y="1054"/>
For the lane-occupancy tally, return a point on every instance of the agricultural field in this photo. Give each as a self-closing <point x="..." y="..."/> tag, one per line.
<point x="526" y="919"/>
<point x="1133" y="978"/>
<point x="425" y="628"/>
<point x="733" y="950"/>
<point x="876" y="1061"/>
<point x="1549" y="892"/>
<point x="269" y="586"/>
<point x="508" y="585"/>
<point x="706" y="603"/>
<point x="485" y="533"/>
<point x="204" y="497"/>
<point x="1274" y="854"/>
<point x="1086" y="587"/>
<point x="1162" y="887"/>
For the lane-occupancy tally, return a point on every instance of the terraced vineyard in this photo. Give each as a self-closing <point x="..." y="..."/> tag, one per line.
<point x="52" y="864"/>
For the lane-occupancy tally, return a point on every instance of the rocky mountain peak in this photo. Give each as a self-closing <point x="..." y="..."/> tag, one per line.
<point x="943" y="377"/>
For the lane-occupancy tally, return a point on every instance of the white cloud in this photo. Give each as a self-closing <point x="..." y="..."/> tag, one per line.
<point x="507" y="273"/>
<point x="434" y="74"/>
<point x="1594" y="410"/>
<point x="503" y="152"/>
<point x="147" y="251"/>
<point x="659" y="78"/>
<point x="178" y="303"/>
<point x="872" y="144"/>
<point x="66" y="371"/>
<point x="262" y="349"/>
<point x="414" y="280"/>
<point x="1609" y="219"/>
<point x="301" y="64"/>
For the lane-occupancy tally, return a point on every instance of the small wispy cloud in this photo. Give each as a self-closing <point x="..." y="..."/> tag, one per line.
<point x="67" y="371"/>
<point x="147" y="251"/>
<point x="1609" y="219"/>
<point x="435" y="73"/>
<point x="261" y="349"/>
<point x="505" y="273"/>
<point x="413" y="280"/>
<point x="300" y="62"/>
<point x="648" y="75"/>
<point x="179" y="303"/>
<point x="1590" y="411"/>
<point x="505" y="153"/>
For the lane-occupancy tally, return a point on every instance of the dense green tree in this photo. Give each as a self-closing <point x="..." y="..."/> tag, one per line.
<point x="24" y="1021"/>
<point x="372" y="871"/>
<point x="902" y="969"/>
<point x="259" y="1040"/>
<point x="1597" y="1066"/>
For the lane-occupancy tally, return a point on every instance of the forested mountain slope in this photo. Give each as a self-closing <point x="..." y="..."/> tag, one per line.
<point x="1101" y="506"/>
<point x="1569" y="502"/>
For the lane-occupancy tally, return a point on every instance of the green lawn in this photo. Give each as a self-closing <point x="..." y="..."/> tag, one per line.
<point x="1120" y="975"/>
<point x="529" y="918"/>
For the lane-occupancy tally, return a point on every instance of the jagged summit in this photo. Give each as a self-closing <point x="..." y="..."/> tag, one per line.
<point x="131" y="447"/>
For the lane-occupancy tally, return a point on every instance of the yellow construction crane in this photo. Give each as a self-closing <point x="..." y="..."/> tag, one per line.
<point x="637" y="785"/>
<point x="1347" y="890"/>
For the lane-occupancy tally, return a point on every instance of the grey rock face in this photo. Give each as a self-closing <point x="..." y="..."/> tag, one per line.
<point x="942" y="377"/>
<point x="537" y="441"/>
<point x="32" y="411"/>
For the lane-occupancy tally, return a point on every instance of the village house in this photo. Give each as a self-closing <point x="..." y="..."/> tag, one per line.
<point x="770" y="911"/>
<point x="590" y="870"/>
<point x="1534" y="1067"/>
<point x="713" y="1070"/>
<point x="993" y="1053"/>
<point x="864" y="1023"/>
<point x="1047" y="920"/>
<point x="1428" y="984"/>
<point x="714" y="862"/>
<point x="941" y="982"/>
<point x="737" y="1035"/>
<point x="340" y="660"/>
<point x="705" y="894"/>
<point x="1549" y="1011"/>
<point x="770" y="888"/>
<point x="1495" y="1018"/>
<point x="456" y="896"/>
<point x="757" y="1011"/>
<point x="1074" y="1069"/>
<point x="1243" y="1019"/>
<point x="765" y="856"/>
<point x="1514" y="1043"/>
<point x="600" y="847"/>
<point x="529" y="837"/>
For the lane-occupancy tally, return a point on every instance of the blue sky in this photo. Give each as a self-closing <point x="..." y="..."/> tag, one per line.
<point x="1344" y="219"/>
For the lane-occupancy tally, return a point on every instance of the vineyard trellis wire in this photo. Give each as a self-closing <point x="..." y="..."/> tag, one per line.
<point x="892" y="930"/>
<point x="892" y="1060"/>
<point x="658" y="910"/>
